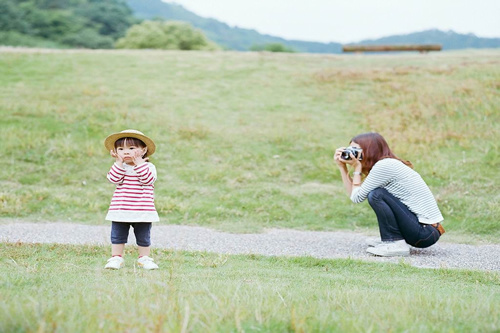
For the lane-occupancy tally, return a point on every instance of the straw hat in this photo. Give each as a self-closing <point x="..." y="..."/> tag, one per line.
<point x="109" y="143"/>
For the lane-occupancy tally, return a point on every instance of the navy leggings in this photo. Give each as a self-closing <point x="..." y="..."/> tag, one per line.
<point x="397" y="222"/>
<point x="142" y="231"/>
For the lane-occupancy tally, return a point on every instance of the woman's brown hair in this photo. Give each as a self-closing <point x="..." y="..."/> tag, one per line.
<point x="375" y="148"/>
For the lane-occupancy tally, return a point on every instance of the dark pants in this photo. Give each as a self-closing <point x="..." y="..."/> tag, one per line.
<point x="142" y="231"/>
<point x="397" y="222"/>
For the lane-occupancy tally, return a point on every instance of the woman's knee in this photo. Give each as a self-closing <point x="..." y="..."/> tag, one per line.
<point x="376" y="195"/>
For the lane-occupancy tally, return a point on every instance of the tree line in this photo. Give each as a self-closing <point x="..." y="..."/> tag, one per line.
<point x="64" y="23"/>
<point x="95" y="24"/>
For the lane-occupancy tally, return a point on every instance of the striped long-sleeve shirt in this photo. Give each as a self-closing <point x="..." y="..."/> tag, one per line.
<point x="133" y="199"/>
<point x="405" y="184"/>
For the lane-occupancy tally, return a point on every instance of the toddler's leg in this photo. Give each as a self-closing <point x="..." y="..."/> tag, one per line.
<point x="144" y="251"/>
<point x="119" y="236"/>
<point x="143" y="235"/>
<point x="117" y="249"/>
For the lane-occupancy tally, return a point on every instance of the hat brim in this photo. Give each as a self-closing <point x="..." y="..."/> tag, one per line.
<point x="109" y="143"/>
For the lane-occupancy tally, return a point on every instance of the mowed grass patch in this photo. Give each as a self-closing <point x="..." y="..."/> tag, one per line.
<point x="65" y="288"/>
<point x="245" y="140"/>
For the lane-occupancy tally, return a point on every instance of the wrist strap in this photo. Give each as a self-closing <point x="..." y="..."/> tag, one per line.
<point x="356" y="173"/>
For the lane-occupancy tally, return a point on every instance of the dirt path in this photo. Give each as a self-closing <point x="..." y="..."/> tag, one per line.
<point x="273" y="242"/>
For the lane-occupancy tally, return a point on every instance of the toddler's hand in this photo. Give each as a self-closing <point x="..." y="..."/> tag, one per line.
<point x="138" y="160"/>
<point x="119" y="160"/>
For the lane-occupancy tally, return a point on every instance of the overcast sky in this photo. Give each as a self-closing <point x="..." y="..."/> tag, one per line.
<point x="346" y="21"/>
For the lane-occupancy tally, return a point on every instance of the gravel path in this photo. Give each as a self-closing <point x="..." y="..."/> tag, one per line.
<point x="273" y="242"/>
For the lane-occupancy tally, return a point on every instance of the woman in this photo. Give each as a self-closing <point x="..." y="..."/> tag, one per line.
<point x="406" y="210"/>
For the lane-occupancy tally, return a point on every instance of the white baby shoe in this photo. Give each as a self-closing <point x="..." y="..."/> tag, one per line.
<point x="115" y="262"/>
<point x="147" y="263"/>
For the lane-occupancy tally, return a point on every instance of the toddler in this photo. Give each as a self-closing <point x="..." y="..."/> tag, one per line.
<point x="132" y="204"/>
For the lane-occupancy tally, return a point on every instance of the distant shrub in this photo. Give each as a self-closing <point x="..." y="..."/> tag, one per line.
<point x="272" y="47"/>
<point x="165" y="35"/>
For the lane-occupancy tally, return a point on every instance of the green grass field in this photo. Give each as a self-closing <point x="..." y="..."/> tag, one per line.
<point x="59" y="288"/>
<point x="244" y="142"/>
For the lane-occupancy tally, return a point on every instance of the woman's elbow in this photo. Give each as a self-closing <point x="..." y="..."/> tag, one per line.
<point x="355" y="199"/>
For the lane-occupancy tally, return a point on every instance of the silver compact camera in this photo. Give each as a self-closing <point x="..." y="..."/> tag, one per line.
<point x="356" y="152"/>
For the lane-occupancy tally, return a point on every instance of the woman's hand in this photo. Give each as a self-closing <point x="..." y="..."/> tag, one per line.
<point x="337" y="156"/>
<point x="341" y="163"/>
<point x="354" y="162"/>
<point x="344" y="173"/>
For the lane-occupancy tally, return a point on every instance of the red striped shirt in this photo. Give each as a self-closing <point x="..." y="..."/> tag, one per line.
<point x="134" y="194"/>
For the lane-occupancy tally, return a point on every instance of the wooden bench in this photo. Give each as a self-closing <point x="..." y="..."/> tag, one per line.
<point x="387" y="48"/>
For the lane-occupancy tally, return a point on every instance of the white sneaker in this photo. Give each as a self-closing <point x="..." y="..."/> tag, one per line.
<point x="115" y="262"/>
<point x="373" y="241"/>
<point x="390" y="249"/>
<point x="147" y="263"/>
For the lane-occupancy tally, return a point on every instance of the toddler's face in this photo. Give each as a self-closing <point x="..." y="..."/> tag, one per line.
<point x="128" y="152"/>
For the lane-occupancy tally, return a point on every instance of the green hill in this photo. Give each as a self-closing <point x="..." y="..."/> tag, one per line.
<point x="450" y="40"/>
<point x="98" y="24"/>
<point x="232" y="38"/>
<point x="235" y="38"/>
